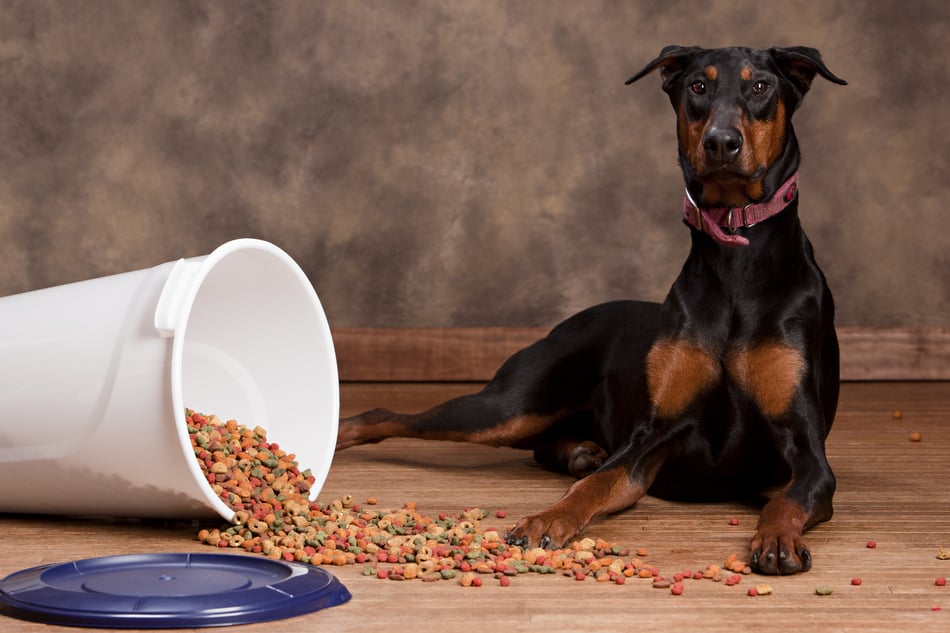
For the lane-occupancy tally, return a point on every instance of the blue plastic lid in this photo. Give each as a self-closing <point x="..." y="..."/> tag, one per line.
<point x="151" y="591"/>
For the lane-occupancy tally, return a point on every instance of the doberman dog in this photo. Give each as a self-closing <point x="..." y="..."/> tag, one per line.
<point x="728" y="388"/>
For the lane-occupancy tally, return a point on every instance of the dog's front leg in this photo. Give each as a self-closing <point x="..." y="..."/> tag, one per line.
<point x="778" y="546"/>
<point x="617" y="485"/>
<point x="605" y="491"/>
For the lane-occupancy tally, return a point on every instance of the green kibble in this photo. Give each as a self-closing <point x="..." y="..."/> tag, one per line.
<point x="447" y="574"/>
<point x="824" y="591"/>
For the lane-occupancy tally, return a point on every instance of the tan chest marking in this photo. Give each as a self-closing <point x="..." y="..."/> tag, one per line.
<point x="678" y="372"/>
<point x="770" y="373"/>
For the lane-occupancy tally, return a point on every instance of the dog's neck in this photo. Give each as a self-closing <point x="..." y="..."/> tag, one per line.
<point x="716" y="221"/>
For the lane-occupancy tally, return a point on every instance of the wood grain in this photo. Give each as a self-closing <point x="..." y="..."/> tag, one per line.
<point x="466" y="354"/>
<point x="890" y="490"/>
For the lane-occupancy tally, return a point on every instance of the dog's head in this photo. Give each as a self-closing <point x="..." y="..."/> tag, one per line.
<point x="734" y="108"/>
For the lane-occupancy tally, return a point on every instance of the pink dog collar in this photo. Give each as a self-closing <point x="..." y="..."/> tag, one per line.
<point x="712" y="221"/>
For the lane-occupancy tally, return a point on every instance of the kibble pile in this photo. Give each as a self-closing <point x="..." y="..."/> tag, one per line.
<point x="274" y="517"/>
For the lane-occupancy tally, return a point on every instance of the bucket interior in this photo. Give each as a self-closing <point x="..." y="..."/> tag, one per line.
<point x="255" y="347"/>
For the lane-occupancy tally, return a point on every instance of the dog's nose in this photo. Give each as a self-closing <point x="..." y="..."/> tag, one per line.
<point x="722" y="145"/>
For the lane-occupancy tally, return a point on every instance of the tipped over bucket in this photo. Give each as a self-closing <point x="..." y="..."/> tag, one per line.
<point x="95" y="377"/>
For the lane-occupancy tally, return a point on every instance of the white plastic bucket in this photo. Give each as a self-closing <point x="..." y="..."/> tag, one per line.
<point x="95" y="377"/>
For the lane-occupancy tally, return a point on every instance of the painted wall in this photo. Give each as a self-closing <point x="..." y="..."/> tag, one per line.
<point x="452" y="163"/>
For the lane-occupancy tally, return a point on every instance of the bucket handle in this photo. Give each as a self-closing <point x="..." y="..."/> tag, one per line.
<point x="175" y="292"/>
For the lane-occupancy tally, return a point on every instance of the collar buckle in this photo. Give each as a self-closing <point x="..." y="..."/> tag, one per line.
<point x="743" y="218"/>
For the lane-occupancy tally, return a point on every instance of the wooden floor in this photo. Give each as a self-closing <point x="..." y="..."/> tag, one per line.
<point x="890" y="490"/>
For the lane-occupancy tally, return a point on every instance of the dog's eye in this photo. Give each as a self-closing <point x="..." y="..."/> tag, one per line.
<point x="760" y="87"/>
<point x="698" y="87"/>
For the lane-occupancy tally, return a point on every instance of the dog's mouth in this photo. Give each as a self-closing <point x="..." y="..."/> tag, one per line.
<point x="731" y="175"/>
<point x="729" y="186"/>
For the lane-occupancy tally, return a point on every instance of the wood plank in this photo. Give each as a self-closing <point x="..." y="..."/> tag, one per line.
<point x="466" y="354"/>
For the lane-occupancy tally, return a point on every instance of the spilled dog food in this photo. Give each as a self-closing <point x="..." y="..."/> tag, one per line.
<point x="274" y="517"/>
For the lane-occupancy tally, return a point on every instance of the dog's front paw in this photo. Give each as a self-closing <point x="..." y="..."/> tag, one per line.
<point x="774" y="553"/>
<point x="544" y="529"/>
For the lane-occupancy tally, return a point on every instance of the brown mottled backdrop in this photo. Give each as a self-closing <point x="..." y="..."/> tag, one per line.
<point x="457" y="162"/>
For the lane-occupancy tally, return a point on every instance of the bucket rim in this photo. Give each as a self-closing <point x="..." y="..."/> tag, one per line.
<point x="184" y="305"/>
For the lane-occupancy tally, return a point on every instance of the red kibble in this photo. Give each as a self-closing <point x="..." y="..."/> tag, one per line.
<point x="677" y="589"/>
<point x="501" y="514"/>
<point x="382" y="574"/>
<point x="476" y="581"/>
<point x="855" y="581"/>
<point x="580" y="575"/>
<point x="733" y="580"/>
<point x="733" y="521"/>
<point x="504" y="581"/>
<point x="941" y="582"/>
<point x="872" y="544"/>
<point x="620" y="579"/>
<point x="698" y="575"/>
<point x="753" y="592"/>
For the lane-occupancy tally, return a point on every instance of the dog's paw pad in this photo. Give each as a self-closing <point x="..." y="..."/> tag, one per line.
<point x="586" y="458"/>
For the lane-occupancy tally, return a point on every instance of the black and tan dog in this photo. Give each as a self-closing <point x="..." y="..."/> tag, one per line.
<point x="729" y="387"/>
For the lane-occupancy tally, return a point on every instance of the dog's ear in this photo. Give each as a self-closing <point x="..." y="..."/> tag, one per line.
<point x="800" y="64"/>
<point x="671" y="62"/>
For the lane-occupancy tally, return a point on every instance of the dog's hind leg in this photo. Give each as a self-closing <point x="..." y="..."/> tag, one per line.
<point x="551" y="381"/>
<point x="518" y="406"/>
<point x="486" y="417"/>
